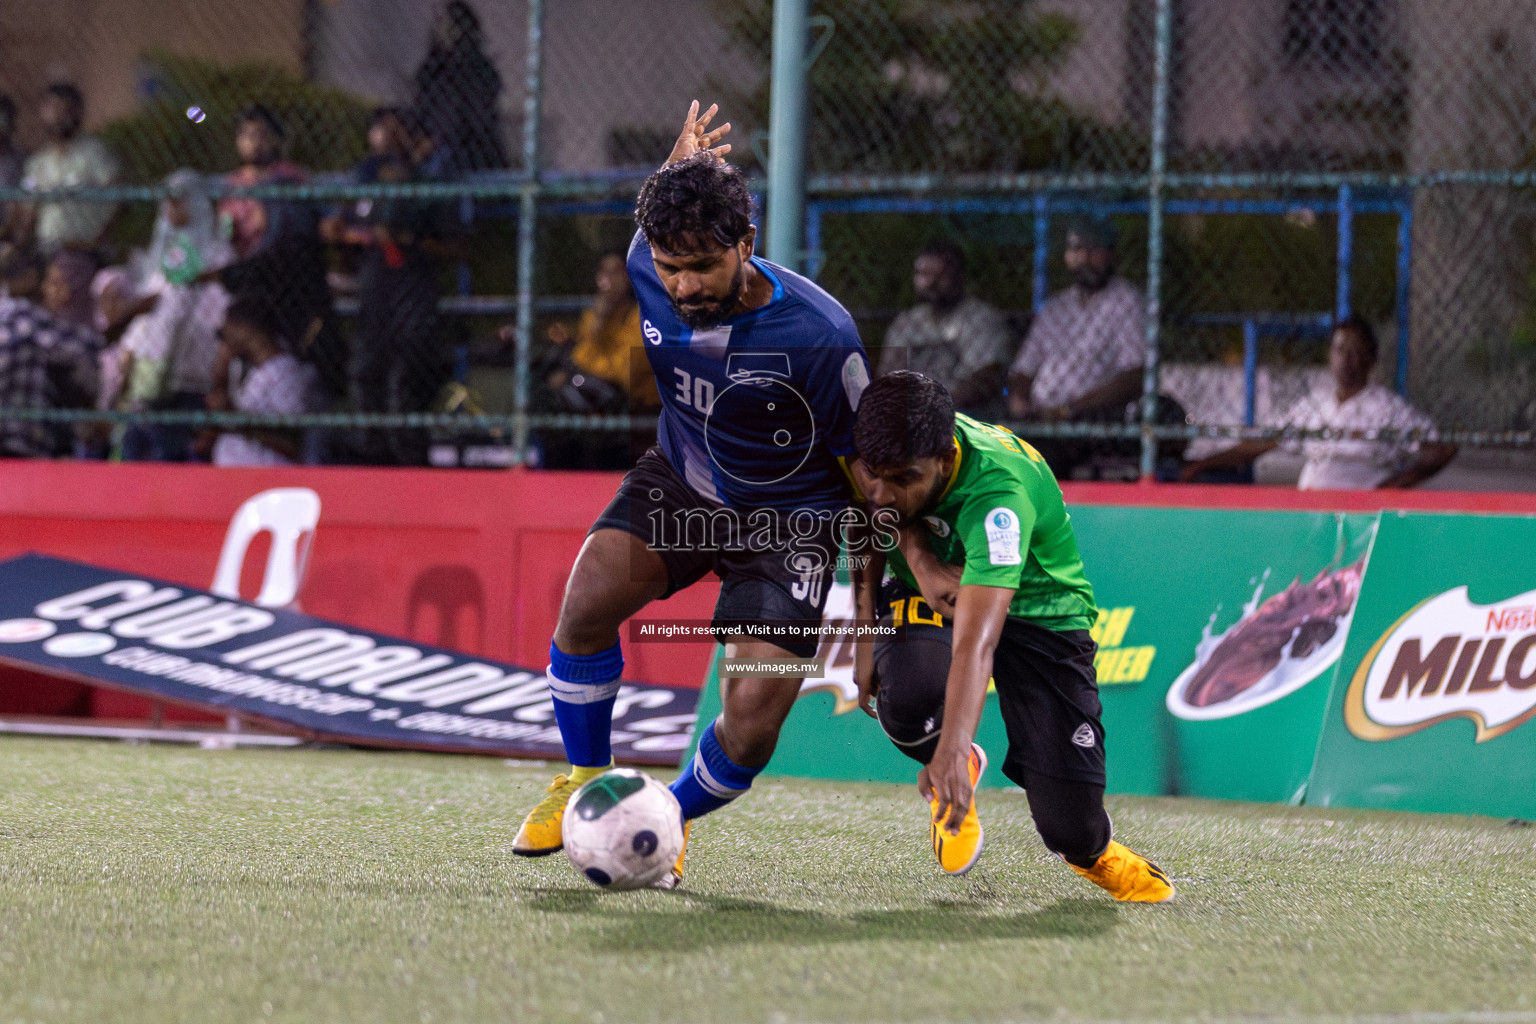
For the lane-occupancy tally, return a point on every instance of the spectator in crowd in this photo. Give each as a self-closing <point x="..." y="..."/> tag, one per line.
<point x="1350" y="403"/>
<point x="12" y="165"/>
<point x="66" y="288"/>
<point x="168" y="352"/>
<point x="12" y="160"/>
<point x="116" y="303"/>
<point x="114" y="307"/>
<point x="70" y="158"/>
<point x="398" y="362"/>
<point x="955" y="338"/>
<point x="45" y="362"/>
<point x="67" y="293"/>
<point x="600" y="369"/>
<point x="250" y="223"/>
<point x="457" y="90"/>
<point x="1084" y="354"/>
<point x="255" y="373"/>
<point x="278" y="252"/>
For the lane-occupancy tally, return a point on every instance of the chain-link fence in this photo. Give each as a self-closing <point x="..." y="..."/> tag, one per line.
<point x="413" y="210"/>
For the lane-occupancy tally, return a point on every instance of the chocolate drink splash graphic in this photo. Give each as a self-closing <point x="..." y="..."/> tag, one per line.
<point x="1289" y="625"/>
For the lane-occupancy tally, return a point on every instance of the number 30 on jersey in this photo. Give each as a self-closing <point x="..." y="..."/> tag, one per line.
<point x="697" y="392"/>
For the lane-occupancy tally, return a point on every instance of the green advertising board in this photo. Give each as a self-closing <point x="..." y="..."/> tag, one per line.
<point x="1248" y="612"/>
<point x="1201" y="692"/>
<point x="1433" y="708"/>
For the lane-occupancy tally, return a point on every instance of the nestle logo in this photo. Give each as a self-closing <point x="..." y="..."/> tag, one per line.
<point x="1449" y="658"/>
<point x="1503" y="620"/>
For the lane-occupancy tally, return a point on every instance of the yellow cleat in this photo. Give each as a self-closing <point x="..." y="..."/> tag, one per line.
<point x="540" y="834"/>
<point x="958" y="854"/>
<point x="674" y="878"/>
<point x="1128" y="875"/>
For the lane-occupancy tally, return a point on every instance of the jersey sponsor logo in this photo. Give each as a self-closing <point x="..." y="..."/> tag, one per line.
<point x="937" y="525"/>
<point x="1003" y="537"/>
<point x="1084" y="737"/>
<point x="652" y="334"/>
<point x="855" y="379"/>
<point x="1278" y="645"/>
<point x="757" y="367"/>
<point x="1448" y="657"/>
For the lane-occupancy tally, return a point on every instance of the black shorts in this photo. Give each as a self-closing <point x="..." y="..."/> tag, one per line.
<point x="774" y="567"/>
<point x="1046" y="689"/>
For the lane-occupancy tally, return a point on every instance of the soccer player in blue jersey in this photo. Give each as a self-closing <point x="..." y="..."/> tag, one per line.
<point x="760" y="373"/>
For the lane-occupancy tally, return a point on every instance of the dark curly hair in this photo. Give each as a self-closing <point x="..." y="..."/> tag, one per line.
<point x="903" y="416"/>
<point x="256" y="310"/>
<point x="700" y="198"/>
<point x="1361" y="328"/>
<point x="258" y="113"/>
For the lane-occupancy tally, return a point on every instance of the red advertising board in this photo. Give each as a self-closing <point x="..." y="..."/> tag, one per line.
<point x="475" y="561"/>
<point x="472" y="561"/>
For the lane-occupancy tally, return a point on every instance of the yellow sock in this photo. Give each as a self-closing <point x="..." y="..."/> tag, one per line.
<point x="584" y="774"/>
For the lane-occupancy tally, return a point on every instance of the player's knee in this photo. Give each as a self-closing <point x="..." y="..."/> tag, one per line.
<point x="1070" y="817"/>
<point x="589" y="619"/>
<point x="748" y="739"/>
<point x="913" y="675"/>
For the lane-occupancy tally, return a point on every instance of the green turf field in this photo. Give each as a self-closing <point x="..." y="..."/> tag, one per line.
<point x="153" y="883"/>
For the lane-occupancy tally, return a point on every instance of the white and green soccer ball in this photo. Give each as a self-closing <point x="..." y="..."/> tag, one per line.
<point x="622" y="830"/>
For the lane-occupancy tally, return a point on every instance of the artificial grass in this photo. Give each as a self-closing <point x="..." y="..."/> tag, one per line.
<point x="143" y="883"/>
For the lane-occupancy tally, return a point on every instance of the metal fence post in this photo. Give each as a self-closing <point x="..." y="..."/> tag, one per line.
<point x="1346" y="255"/>
<point x="1402" y="301"/>
<point x="1156" y="184"/>
<point x="786" y="133"/>
<point x="528" y="226"/>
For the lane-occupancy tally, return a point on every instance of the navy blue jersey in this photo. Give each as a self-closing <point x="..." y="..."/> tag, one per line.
<point x="755" y="412"/>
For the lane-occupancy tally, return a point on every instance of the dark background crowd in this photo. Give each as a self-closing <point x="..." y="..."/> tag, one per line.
<point x="231" y="304"/>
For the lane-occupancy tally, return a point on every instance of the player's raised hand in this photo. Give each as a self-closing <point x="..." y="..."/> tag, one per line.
<point x="697" y="136"/>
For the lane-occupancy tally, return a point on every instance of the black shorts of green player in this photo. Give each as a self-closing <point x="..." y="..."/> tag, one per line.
<point x="989" y="584"/>
<point x="1046" y="695"/>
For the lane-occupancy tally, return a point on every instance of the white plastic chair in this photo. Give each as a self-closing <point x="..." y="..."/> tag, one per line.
<point x="290" y="514"/>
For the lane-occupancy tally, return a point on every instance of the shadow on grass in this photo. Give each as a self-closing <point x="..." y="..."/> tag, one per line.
<point x="728" y="921"/>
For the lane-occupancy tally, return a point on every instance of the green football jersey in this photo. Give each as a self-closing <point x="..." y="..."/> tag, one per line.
<point x="1001" y="516"/>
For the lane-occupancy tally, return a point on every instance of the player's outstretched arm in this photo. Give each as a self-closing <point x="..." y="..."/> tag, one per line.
<point x="696" y="135"/>
<point x="980" y="612"/>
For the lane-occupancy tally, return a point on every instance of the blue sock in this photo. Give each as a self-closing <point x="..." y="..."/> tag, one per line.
<point x="584" y="687"/>
<point x="710" y="780"/>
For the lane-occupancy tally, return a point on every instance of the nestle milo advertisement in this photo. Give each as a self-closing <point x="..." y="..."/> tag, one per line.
<point x="1249" y="612"/>
<point x="1434" y="708"/>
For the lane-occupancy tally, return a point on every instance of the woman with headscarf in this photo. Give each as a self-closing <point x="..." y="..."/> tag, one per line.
<point x="169" y="351"/>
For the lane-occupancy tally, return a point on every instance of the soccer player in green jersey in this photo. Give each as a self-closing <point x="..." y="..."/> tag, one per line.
<point x="987" y="582"/>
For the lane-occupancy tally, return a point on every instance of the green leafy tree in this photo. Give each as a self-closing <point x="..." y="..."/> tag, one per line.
<point x="327" y="128"/>
<point x="918" y="85"/>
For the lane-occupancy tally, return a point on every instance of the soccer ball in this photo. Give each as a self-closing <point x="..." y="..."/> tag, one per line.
<point x="622" y="830"/>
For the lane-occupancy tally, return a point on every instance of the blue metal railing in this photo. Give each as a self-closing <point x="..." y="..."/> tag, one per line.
<point x="1042" y="206"/>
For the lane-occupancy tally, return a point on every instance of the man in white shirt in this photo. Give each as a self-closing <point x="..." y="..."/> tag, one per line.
<point x="1352" y="403"/>
<point x="1087" y="346"/>
<point x="70" y="158"/>
<point x="957" y="339"/>
<point x="1086" y="349"/>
